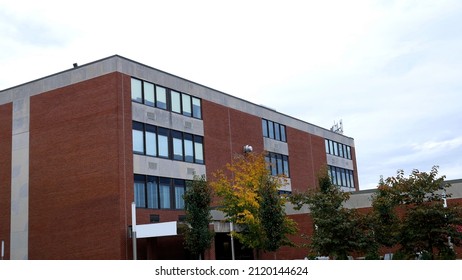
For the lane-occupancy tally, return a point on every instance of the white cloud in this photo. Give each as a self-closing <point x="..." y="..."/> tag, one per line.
<point x="439" y="145"/>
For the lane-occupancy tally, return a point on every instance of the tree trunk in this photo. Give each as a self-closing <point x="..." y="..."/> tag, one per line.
<point x="256" y="254"/>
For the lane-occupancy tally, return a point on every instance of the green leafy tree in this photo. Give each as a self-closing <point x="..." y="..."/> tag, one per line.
<point x="384" y="218"/>
<point x="198" y="236"/>
<point x="338" y="231"/>
<point x="249" y="199"/>
<point x="274" y="223"/>
<point x="410" y="213"/>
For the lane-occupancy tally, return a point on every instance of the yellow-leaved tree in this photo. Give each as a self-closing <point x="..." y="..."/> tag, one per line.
<point x="250" y="199"/>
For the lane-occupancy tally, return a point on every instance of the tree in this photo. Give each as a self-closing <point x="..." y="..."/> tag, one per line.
<point x="338" y="231"/>
<point x="410" y="213"/>
<point x="384" y="219"/>
<point x="198" y="236"/>
<point x="249" y="198"/>
<point x="275" y="225"/>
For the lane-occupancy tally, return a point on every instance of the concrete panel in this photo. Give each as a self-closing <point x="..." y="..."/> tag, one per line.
<point x="359" y="200"/>
<point x="19" y="199"/>
<point x="340" y="162"/>
<point x="289" y="209"/>
<point x="162" y="118"/>
<point x="166" y="168"/>
<point x="455" y="190"/>
<point x="6" y="97"/>
<point x="287" y="186"/>
<point x="20" y="241"/>
<point x="58" y="80"/>
<point x="275" y="146"/>
<point x="19" y="230"/>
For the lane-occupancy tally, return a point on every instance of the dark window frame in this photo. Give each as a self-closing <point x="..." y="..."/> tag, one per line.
<point x="338" y="149"/>
<point x="139" y="127"/>
<point x="172" y="184"/>
<point x="170" y="135"/>
<point x="274" y="130"/>
<point x="194" y="113"/>
<point x="341" y="177"/>
<point x="276" y="169"/>
<point x="157" y="99"/>
<point x="142" y="91"/>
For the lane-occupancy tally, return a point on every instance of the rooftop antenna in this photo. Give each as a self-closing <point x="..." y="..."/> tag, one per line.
<point x="337" y="127"/>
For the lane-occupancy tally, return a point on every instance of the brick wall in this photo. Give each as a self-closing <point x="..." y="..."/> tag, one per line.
<point x="5" y="174"/>
<point x="306" y="157"/>
<point x="79" y="169"/>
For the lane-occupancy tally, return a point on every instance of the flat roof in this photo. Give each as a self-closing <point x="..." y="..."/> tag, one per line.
<point x="117" y="63"/>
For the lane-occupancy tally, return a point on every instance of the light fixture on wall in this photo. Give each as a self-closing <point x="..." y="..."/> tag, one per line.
<point x="248" y="149"/>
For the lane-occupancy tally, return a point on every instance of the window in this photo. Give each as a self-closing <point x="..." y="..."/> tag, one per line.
<point x="179" y="192"/>
<point x="271" y="129"/>
<point x="149" y="97"/>
<point x="177" y="145"/>
<point x="274" y="170"/>
<point x="278" y="164"/>
<point x="196" y="105"/>
<point x="285" y="162"/>
<point x="140" y="195"/>
<point x="152" y="191"/>
<point x="151" y="140"/>
<point x="137" y="134"/>
<point x="351" y="179"/>
<point x="343" y="174"/>
<point x="165" y="143"/>
<point x="337" y="149"/>
<point x="264" y="126"/>
<point x="198" y="149"/>
<point x="161" y="97"/>
<point x="157" y="96"/>
<point x="159" y="192"/>
<point x="187" y="110"/>
<point x="277" y="132"/>
<point x="341" y="177"/>
<point x="175" y="101"/>
<point x="348" y="152"/>
<point x="340" y="150"/>
<point x="188" y="148"/>
<point x="274" y="130"/>
<point x="154" y="218"/>
<point x="137" y="92"/>
<point x="164" y="187"/>
<point x="333" y="176"/>
<point x="283" y="133"/>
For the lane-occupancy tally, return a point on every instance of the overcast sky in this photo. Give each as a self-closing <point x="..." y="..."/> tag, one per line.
<point x="391" y="70"/>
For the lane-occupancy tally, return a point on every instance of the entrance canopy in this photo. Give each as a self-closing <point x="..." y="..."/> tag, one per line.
<point x="156" y="230"/>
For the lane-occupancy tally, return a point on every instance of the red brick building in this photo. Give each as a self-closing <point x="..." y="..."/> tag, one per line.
<point x="78" y="147"/>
